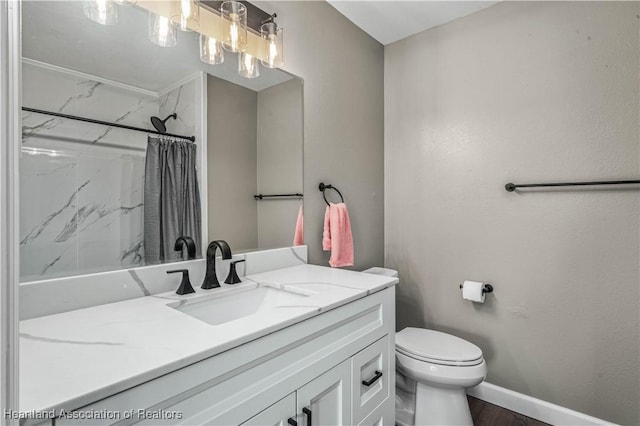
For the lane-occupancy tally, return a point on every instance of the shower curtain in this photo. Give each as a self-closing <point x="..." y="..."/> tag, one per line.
<point x="171" y="198"/>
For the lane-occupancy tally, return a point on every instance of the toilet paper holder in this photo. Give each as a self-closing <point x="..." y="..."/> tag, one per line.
<point x="488" y="288"/>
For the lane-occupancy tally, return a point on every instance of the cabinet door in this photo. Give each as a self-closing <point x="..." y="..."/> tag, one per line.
<point x="326" y="400"/>
<point x="277" y="415"/>
<point x="373" y="373"/>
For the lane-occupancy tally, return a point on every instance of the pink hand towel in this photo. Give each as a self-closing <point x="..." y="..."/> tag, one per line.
<point x="337" y="235"/>
<point x="326" y="231"/>
<point x="298" y="236"/>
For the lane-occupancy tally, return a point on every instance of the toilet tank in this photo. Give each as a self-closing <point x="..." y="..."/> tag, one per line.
<point x="376" y="270"/>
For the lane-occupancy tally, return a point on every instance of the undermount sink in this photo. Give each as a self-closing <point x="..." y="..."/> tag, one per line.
<point x="223" y="308"/>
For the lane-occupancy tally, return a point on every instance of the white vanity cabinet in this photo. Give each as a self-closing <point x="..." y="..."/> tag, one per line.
<point x="318" y="364"/>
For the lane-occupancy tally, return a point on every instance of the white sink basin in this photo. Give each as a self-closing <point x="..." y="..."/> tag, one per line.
<point x="227" y="307"/>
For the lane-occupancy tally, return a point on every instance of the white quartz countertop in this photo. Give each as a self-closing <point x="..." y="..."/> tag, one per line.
<point x="72" y="359"/>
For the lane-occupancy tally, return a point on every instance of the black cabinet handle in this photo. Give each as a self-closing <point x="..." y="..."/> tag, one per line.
<point x="306" y="411"/>
<point x="373" y="379"/>
<point x="292" y="422"/>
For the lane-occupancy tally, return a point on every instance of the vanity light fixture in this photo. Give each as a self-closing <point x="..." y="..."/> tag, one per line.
<point x="272" y="36"/>
<point x="225" y="27"/>
<point x="248" y="65"/>
<point x="234" y="26"/>
<point x="187" y="17"/>
<point x="162" y="31"/>
<point x="104" y="12"/>
<point x="211" y="51"/>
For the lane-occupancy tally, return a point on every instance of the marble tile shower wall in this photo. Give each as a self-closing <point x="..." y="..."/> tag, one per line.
<point x="81" y="184"/>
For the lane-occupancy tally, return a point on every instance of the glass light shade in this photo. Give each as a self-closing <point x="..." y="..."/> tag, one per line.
<point x="211" y="51"/>
<point x="272" y="36"/>
<point x="103" y="12"/>
<point x="187" y="16"/>
<point x="161" y="31"/>
<point x="234" y="26"/>
<point x="248" y="65"/>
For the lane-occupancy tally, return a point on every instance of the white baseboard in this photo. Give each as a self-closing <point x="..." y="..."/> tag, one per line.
<point x="532" y="407"/>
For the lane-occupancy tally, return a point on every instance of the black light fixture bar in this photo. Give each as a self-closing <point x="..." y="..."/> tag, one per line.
<point x="510" y="187"/>
<point x="106" y="123"/>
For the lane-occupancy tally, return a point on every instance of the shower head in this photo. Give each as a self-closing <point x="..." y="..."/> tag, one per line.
<point x="159" y="124"/>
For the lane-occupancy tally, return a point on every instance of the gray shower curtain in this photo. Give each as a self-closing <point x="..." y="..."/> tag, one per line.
<point x="171" y="198"/>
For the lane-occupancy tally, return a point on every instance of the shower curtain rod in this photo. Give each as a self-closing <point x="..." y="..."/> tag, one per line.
<point x="106" y="123"/>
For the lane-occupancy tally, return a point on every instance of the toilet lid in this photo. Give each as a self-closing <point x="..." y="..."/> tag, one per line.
<point x="431" y="345"/>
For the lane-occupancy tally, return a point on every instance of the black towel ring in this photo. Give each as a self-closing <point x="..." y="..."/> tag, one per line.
<point x="322" y="187"/>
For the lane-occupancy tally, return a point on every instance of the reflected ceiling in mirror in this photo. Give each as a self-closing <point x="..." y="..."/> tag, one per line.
<point x="58" y="33"/>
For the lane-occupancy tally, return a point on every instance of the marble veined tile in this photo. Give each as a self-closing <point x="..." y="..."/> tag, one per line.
<point x="48" y="200"/>
<point x="82" y="184"/>
<point x="180" y="101"/>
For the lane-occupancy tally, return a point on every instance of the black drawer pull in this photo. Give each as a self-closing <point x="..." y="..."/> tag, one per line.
<point x="373" y="379"/>
<point x="306" y="411"/>
<point x="292" y="422"/>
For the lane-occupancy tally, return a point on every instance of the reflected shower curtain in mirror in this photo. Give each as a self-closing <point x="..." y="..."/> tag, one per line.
<point x="171" y="198"/>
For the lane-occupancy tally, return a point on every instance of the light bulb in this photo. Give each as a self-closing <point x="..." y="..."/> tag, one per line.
<point x="248" y="65"/>
<point x="234" y="26"/>
<point x="233" y="32"/>
<point x="161" y="31"/>
<point x="104" y="12"/>
<point x="211" y="51"/>
<point x="187" y="17"/>
<point x="272" y="35"/>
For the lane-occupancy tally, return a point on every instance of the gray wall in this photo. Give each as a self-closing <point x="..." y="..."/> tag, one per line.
<point x="522" y="92"/>
<point x="280" y="134"/>
<point x="231" y="159"/>
<point x="342" y="69"/>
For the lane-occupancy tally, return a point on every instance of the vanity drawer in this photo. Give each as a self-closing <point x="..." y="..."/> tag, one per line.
<point x="371" y="372"/>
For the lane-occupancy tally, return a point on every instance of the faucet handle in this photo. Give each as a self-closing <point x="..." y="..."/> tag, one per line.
<point x="185" y="285"/>
<point x="233" y="277"/>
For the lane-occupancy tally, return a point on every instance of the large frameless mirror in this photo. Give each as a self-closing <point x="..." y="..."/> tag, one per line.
<point x="85" y="185"/>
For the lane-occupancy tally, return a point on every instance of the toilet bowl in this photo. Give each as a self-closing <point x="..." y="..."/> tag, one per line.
<point x="433" y="371"/>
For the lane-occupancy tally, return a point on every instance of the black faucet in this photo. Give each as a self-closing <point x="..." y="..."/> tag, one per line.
<point x="210" y="278"/>
<point x="186" y="241"/>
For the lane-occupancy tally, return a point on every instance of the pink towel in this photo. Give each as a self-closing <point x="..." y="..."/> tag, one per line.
<point x="298" y="236"/>
<point x="337" y="235"/>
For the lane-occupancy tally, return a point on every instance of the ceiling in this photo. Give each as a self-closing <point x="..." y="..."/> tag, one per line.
<point x="390" y="21"/>
<point x="58" y="33"/>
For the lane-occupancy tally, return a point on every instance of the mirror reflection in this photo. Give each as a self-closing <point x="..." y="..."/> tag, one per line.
<point x="85" y="187"/>
<point x="254" y="150"/>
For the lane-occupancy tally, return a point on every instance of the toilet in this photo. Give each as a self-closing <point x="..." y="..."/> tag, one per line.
<point x="433" y="372"/>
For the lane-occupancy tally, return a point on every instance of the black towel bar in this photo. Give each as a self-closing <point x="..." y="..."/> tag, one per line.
<point x="510" y="187"/>
<point x="261" y="196"/>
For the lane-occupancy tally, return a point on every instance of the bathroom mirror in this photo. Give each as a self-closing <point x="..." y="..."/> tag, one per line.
<point x="82" y="184"/>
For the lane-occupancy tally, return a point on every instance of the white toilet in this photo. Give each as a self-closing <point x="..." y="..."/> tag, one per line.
<point x="433" y="371"/>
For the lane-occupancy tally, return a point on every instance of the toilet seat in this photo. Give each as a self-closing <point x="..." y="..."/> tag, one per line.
<point x="437" y="348"/>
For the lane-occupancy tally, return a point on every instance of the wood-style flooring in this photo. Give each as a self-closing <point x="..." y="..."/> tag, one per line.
<point x="486" y="414"/>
